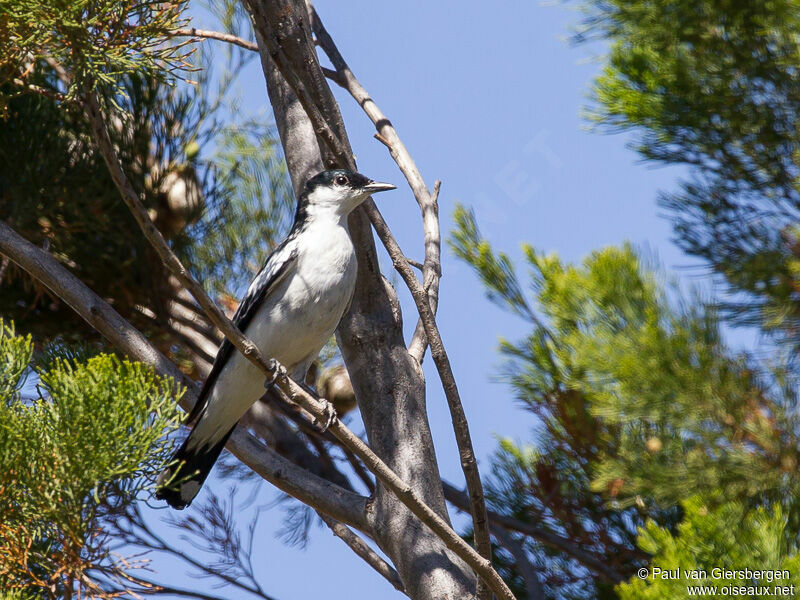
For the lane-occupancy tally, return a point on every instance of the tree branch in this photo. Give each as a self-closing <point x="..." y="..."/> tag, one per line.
<point x="469" y="464"/>
<point x="431" y="269"/>
<point x="362" y="549"/>
<point x="215" y="35"/>
<point x="386" y="133"/>
<point x="248" y="449"/>
<point x="591" y="561"/>
<point x="344" y="505"/>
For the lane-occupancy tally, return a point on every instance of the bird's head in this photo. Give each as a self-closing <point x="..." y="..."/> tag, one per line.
<point x="336" y="193"/>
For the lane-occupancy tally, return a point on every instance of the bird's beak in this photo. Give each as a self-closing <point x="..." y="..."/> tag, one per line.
<point x="376" y="186"/>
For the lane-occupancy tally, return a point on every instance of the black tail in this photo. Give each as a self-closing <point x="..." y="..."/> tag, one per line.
<point x="179" y="483"/>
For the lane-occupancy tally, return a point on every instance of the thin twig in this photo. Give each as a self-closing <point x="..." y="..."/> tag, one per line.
<point x="387" y="135"/>
<point x="285" y="384"/>
<point x="37" y="89"/>
<point x="215" y="35"/>
<point x="360" y="547"/>
<point x="414" y="263"/>
<point x="589" y="560"/>
<point x="425" y="295"/>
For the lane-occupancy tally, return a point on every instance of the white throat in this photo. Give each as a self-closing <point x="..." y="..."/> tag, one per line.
<point x="332" y="203"/>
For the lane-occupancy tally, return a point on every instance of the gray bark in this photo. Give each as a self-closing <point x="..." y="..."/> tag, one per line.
<point x="388" y="382"/>
<point x="342" y="504"/>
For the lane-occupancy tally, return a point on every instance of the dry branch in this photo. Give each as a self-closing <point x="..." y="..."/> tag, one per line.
<point x="591" y="561"/>
<point x="343" y="505"/>
<point x="481" y="565"/>
<point x="362" y="549"/>
<point x="386" y="134"/>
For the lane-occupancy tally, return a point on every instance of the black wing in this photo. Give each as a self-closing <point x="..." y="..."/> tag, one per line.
<point x="276" y="267"/>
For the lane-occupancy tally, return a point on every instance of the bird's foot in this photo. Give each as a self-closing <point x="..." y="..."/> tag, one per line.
<point x="330" y="416"/>
<point x="278" y="370"/>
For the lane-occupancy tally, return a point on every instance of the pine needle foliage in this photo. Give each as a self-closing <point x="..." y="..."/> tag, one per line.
<point x="712" y="85"/>
<point x="638" y="401"/>
<point x="55" y="191"/>
<point x="96" y="41"/>
<point x="650" y="378"/>
<point x="79" y="452"/>
<point x="730" y="536"/>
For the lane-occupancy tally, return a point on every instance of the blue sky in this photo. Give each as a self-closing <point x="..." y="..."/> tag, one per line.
<point x="488" y="100"/>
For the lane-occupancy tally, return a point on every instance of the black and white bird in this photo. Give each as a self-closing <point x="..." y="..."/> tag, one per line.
<point x="290" y="311"/>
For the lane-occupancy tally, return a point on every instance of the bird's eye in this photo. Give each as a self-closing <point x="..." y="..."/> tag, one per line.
<point x="341" y="180"/>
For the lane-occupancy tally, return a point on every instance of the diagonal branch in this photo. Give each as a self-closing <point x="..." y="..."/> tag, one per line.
<point x="480" y="564"/>
<point x="386" y="134"/>
<point x="460" y="425"/>
<point x="362" y="549"/>
<point x="589" y="560"/>
<point x="344" y="505"/>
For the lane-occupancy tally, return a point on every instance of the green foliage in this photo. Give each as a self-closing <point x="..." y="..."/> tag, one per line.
<point x="638" y="400"/>
<point x="14" y="360"/>
<point x="55" y="190"/>
<point x="713" y="85"/>
<point x="72" y="457"/>
<point x="97" y="42"/>
<point x="729" y="536"/>
<point x="681" y="411"/>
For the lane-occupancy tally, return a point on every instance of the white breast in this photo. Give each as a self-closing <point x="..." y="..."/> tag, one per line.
<point x="300" y="317"/>
<point x="292" y="325"/>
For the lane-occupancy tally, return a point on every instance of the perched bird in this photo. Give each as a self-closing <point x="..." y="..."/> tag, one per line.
<point x="290" y="310"/>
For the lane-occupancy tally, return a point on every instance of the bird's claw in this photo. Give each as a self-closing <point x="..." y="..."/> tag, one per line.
<point x="278" y="370"/>
<point x="330" y="416"/>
